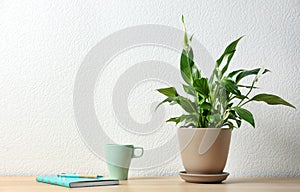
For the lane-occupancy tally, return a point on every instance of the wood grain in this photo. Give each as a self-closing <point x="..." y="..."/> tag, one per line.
<point x="166" y="184"/>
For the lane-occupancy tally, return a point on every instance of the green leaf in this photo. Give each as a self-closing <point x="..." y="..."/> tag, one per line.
<point x="248" y="86"/>
<point x="233" y="116"/>
<point x="174" y="119"/>
<point x="246" y="73"/>
<point x="201" y="86"/>
<point x="238" y="122"/>
<point x="233" y="73"/>
<point x="169" y="92"/>
<point x="169" y="99"/>
<point x="241" y="97"/>
<point x="189" y="90"/>
<point x="245" y="115"/>
<point x="191" y="37"/>
<point x="214" y="120"/>
<point x="185" y="67"/>
<point x="195" y="71"/>
<point x="230" y="55"/>
<point x="229" y="124"/>
<point x="191" y="54"/>
<point x="232" y="87"/>
<point x="205" y="106"/>
<point x="185" y="37"/>
<point x="229" y="49"/>
<point x="271" y="100"/>
<point x="186" y="104"/>
<point x="187" y="125"/>
<point x="190" y="119"/>
<point x="188" y="69"/>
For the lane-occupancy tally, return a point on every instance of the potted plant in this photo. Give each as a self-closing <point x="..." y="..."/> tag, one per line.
<point x="217" y="107"/>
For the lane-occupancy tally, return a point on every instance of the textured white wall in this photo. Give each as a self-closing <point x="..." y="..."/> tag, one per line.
<point x="42" y="45"/>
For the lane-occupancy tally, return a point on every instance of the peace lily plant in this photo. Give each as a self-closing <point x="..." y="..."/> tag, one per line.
<point x="218" y="106"/>
<point x="218" y="100"/>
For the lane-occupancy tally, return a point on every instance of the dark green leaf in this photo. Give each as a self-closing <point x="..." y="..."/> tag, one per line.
<point x="229" y="124"/>
<point x="233" y="116"/>
<point x="201" y="86"/>
<point x="248" y="86"/>
<point x="238" y="122"/>
<point x="232" y="87"/>
<point x="233" y="73"/>
<point x="246" y="73"/>
<point x="245" y="115"/>
<point x="229" y="49"/>
<point x="174" y="119"/>
<point x="185" y="68"/>
<point x="205" y="106"/>
<point x="195" y="71"/>
<point x="169" y="92"/>
<point x="230" y="55"/>
<point x="241" y="97"/>
<point x="271" y="100"/>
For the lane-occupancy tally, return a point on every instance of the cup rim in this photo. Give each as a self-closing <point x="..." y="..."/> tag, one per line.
<point x="119" y="145"/>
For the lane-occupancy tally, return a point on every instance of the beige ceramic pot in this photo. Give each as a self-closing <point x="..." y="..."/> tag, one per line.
<point x="204" y="150"/>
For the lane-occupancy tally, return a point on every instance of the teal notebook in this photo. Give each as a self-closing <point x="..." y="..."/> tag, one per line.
<point x="77" y="182"/>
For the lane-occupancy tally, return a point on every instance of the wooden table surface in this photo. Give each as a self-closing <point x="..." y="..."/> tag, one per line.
<point x="174" y="184"/>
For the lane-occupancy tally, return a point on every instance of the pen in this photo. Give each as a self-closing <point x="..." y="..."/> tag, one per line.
<point x="69" y="175"/>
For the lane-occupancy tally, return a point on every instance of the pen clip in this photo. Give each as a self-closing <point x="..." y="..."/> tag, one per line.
<point x="72" y="175"/>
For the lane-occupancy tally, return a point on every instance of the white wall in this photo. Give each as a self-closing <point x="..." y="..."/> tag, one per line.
<point x="42" y="45"/>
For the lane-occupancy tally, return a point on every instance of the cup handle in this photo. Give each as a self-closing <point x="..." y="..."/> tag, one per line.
<point x="137" y="156"/>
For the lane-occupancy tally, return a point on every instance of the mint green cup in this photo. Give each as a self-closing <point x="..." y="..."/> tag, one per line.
<point x="118" y="159"/>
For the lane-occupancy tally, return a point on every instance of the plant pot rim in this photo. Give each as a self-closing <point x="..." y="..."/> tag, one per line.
<point x="198" y="128"/>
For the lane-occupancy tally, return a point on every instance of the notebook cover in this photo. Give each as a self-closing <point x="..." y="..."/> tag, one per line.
<point x="69" y="182"/>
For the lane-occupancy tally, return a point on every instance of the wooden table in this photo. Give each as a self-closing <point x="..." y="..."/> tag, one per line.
<point x="174" y="184"/>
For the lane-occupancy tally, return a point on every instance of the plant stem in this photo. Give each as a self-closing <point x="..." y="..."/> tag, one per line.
<point x="199" y="110"/>
<point x="245" y="103"/>
<point x="247" y="95"/>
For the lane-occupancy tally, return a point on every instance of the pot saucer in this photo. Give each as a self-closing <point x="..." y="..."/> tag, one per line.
<point x="203" y="178"/>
